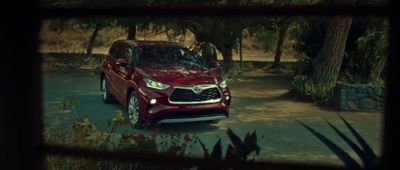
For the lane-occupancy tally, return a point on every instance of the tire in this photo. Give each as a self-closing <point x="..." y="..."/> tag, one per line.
<point x="106" y="96"/>
<point x="133" y="111"/>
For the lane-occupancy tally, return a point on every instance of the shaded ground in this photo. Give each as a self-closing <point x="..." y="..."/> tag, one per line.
<point x="259" y="103"/>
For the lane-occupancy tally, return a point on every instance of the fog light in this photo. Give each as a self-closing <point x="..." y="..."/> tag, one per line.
<point x="153" y="101"/>
<point x="227" y="98"/>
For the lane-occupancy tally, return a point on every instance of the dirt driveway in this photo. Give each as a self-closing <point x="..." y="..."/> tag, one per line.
<point x="259" y="103"/>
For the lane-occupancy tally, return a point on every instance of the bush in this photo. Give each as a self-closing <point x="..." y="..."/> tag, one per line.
<point x="303" y="66"/>
<point x="235" y="73"/>
<point x="87" y="135"/>
<point x="305" y="88"/>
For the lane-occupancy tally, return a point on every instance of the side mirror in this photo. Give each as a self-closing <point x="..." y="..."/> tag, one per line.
<point x="214" y="64"/>
<point x="122" y="62"/>
<point x="215" y="67"/>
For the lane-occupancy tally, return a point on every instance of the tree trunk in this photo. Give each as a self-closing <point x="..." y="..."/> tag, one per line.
<point x="241" y="49"/>
<point x="327" y="65"/>
<point x="131" y="31"/>
<point x="89" y="48"/>
<point x="227" y="58"/>
<point x="281" y="41"/>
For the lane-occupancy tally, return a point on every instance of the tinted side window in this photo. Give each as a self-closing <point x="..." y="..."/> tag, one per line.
<point x="118" y="51"/>
<point x="113" y="49"/>
<point x="129" y="53"/>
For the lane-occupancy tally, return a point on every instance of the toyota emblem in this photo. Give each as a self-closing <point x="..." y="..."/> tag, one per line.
<point x="197" y="89"/>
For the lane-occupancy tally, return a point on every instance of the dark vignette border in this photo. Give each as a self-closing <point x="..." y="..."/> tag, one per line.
<point x="21" y="81"/>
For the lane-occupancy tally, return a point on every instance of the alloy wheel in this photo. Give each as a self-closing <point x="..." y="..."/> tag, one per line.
<point x="133" y="110"/>
<point x="104" y="89"/>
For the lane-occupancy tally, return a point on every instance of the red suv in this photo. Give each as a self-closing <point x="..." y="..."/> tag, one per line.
<point x="163" y="82"/>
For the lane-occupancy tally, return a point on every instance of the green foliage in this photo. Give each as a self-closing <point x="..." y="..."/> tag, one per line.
<point x="366" y="51"/>
<point x="87" y="135"/>
<point x="68" y="105"/>
<point x="237" y="72"/>
<point x="311" y="36"/>
<point x="118" y="119"/>
<point x="373" y="46"/>
<point x="366" y="48"/>
<point x="305" y="88"/>
<point x="266" y="37"/>
<point x="374" y="42"/>
<point x="303" y="66"/>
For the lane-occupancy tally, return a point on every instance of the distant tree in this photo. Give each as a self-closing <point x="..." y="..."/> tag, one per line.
<point x="92" y="39"/>
<point x="282" y="25"/>
<point x="132" y="30"/>
<point x="95" y="25"/>
<point x="131" y="26"/>
<point x="222" y="32"/>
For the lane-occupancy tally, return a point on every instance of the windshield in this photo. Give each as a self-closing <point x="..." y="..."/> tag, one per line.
<point x="152" y="56"/>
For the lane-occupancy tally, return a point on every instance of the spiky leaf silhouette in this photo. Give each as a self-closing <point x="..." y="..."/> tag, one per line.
<point x="366" y="154"/>
<point x="352" y="145"/>
<point x="247" y="136"/>
<point x="236" y="142"/>
<point x="206" y="153"/>
<point x="339" y="152"/>
<point x="216" y="153"/>
<point x="367" y="149"/>
<point x="251" y="143"/>
<point x="231" y="154"/>
<point x="238" y="150"/>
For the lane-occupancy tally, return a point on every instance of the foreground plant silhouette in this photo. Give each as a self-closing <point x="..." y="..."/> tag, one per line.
<point x="366" y="154"/>
<point x="238" y="150"/>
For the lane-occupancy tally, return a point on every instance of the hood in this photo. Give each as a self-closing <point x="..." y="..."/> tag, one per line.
<point x="181" y="75"/>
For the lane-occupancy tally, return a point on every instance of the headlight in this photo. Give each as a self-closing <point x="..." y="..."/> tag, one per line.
<point x="155" y="85"/>
<point x="223" y="84"/>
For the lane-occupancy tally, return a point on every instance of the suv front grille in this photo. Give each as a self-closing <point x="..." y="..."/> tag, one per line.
<point x="186" y="95"/>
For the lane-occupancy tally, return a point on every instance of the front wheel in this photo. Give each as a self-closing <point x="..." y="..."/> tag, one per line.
<point x="133" y="111"/>
<point x="105" y="94"/>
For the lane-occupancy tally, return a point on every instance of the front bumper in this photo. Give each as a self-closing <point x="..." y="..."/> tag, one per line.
<point x="195" y="116"/>
<point x="165" y="111"/>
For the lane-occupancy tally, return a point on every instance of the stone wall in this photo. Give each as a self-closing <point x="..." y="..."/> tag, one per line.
<point x="359" y="96"/>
